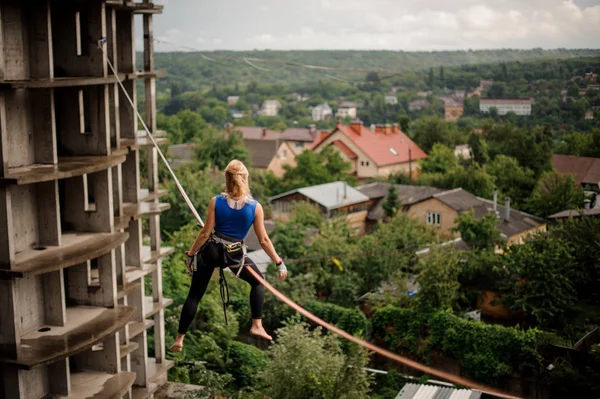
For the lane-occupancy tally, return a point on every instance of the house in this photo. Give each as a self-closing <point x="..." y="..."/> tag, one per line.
<point x="585" y="170"/>
<point x="300" y="139"/>
<point x="232" y="100"/>
<point x="380" y="152"/>
<point x="347" y="109"/>
<point x="520" y="106"/>
<point x="333" y="199"/>
<point x="418" y="105"/>
<point x="180" y="154"/>
<point x="270" y="108"/>
<point x="440" y="208"/>
<point x="271" y="155"/>
<point x="299" y="97"/>
<point x="454" y="107"/>
<point x="268" y="151"/>
<point x="589" y="114"/>
<point x="591" y="77"/>
<point x="462" y="151"/>
<point x="391" y="100"/>
<point x="576" y="213"/>
<point x="321" y="112"/>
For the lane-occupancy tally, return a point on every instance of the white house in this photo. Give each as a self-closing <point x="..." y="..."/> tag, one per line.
<point x="520" y="106"/>
<point x="270" y="108"/>
<point x="346" y="110"/>
<point x="321" y="112"/>
<point x="391" y="100"/>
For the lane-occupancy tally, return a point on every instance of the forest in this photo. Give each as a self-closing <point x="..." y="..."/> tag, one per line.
<point x="548" y="284"/>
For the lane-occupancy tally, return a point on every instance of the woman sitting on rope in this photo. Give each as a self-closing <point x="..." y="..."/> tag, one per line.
<point x="230" y="215"/>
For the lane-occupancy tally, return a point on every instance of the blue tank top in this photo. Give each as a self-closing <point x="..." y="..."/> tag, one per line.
<point x="234" y="222"/>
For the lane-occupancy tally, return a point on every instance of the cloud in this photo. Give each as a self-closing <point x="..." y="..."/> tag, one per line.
<point x="381" y="24"/>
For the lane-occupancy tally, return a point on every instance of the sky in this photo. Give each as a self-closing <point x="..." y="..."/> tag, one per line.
<point x="409" y="25"/>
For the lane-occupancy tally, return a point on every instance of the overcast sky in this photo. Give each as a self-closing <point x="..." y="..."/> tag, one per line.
<point x="379" y="24"/>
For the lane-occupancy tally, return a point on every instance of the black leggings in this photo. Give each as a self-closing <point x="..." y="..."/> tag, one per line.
<point x="209" y="257"/>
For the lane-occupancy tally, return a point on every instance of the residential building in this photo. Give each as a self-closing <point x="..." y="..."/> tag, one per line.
<point x="591" y="77"/>
<point x="80" y="279"/>
<point x="232" y="100"/>
<point x="520" y="106"/>
<point x="180" y="154"/>
<point x="380" y="152"/>
<point x="577" y="213"/>
<point x="454" y="107"/>
<point x="462" y="151"/>
<point x="589" y="114"/>
<point x="300" y="139"/>
<point x="391" y="100"/>
<point x="585" y="170"/>
<point x="418" y="105"/>
<point x="267" y="148"/>
<point x="347" y="109"/>
<point x="299" y="97"/>
<point x="321" y="112"/>
<point x="270" y="108"/>
<point x="440" y="209"/>
<point x="271" y="155"/>
<point x="333" y="199"/>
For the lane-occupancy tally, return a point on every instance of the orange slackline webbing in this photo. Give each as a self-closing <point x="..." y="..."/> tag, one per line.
<point x="383" y="352"/>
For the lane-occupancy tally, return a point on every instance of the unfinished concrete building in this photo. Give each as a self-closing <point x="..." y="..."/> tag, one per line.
<point x="81" y="296"/>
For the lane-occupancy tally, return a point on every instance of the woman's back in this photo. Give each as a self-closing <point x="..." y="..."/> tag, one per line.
<point x="234" y="222"/>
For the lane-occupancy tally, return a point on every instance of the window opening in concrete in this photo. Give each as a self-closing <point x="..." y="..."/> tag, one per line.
<point x="44" y="329"/>
<point x="78" y="36"/>
<point x="89" y="194"/>
<point x="84" y="114"/>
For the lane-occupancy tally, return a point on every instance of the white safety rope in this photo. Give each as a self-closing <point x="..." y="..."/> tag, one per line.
<point x="134" y="107"/>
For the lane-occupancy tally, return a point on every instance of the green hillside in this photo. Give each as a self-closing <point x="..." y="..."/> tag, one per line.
<point x="194" y="70"/>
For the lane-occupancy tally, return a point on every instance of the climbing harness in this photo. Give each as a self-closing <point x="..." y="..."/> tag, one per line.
<point x="390" y="355"/>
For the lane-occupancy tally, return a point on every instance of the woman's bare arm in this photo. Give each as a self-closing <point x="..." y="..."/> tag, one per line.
<point x="263" y="237"/>
<point x="206" y="231"/>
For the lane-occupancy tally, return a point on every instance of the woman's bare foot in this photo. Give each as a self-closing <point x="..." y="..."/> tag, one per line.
<point x="178" y="344"/>
<point x="176" y="348"/>
<point x="261" y="333"/>
<point x="258" y="330"/>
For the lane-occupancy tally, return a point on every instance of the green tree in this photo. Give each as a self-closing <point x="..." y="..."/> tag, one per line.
<point x="314" y="168"/>
<point x="478" y="233"/>
<point x="308" y="364"/>
<point x="403" y="122"/>
<point x="218" y="149"/>
<point x="391" y="205"/>
<point x="512" y="179"/>
<point x="540" y="280"/>
<point x="479" y="150"/>
<point x="438" y="279"/>
<point x="441" y="159"/>
<point x="554" y="193"/>
<point x="430" y="130"/>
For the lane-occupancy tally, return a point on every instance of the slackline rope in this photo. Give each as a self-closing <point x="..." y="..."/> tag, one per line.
<point x="383" y="352"/>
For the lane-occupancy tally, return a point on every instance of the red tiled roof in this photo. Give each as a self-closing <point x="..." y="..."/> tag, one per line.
<point x="345" y="149"/>
<point x="383" y="149"/>
<point x="586" y="170"/>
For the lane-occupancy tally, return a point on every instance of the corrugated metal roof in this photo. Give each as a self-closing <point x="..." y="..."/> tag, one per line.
<point x="417" y="391"/>
<point x="330" y="195"/>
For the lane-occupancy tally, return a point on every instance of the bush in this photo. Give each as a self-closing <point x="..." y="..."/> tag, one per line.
<point x="352" y="321"/>
<point x="487" y="352"/>
<point x="245" y="362"/>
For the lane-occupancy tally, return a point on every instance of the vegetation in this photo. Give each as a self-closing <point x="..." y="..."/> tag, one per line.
<point x="549" y="283"/>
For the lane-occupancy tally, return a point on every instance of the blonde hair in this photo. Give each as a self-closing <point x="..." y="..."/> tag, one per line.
<point x="236" y="180"/>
